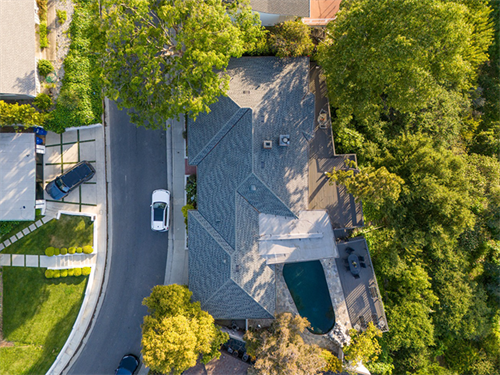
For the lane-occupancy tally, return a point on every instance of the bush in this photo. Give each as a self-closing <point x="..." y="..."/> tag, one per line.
<point x="42" y="9"/>
<point x="333" y="364"/>
<point x="44" y="40"/>
<point x="86" y="271"/>
<point x="49" y="274"/>
<point x="15" y="114"/>
<point x="79" y="250"/>
<point x="71" y="272"/>
<point x="185" y="210"/>
<point x="64" y="273"/>
<point x="56" y="274"/>
<point x="49" y="251"/>
<point x="45" y="67"/>
<point x="57" y="251"/>
<point x="191" y="195"/>
<point x="71" y="250"/>
<point x="43" y="102"/>
<point x="78" y="272"/>
<point x="291" y="38"/>
<point x="61" y="16"/>
<point x="64" y="251"/>
<point x="88" y="249"/>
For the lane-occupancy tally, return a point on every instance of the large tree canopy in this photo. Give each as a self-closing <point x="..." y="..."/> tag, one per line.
<point x="162" y="56"/>
<point x="402" y="56"/>
<point x="177" y="331"/>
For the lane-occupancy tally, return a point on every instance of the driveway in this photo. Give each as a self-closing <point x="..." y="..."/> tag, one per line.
<point x="137" y="166"/>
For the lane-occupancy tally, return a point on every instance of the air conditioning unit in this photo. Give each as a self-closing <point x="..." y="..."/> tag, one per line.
<point x="267" y="145"/>
<point x="284" y="140"/>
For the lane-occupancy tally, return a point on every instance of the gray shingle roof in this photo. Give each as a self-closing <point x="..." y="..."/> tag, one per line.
<point x="237" y="179"/>
<point x="299" y="8"/>
<point x="17" y="47"/>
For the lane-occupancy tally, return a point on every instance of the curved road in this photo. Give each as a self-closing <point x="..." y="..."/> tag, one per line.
<point x="138" y="166"/>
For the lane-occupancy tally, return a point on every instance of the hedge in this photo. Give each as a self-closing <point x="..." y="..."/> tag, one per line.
<point x="88" y="249"/>
<point x="71" y="250"/>
<point x="79" y="250"/>
<point x="57" y="251"/>
<point x="69" y="272"/>
<point x="64" y="251"/>
<point x="49" y="251"/>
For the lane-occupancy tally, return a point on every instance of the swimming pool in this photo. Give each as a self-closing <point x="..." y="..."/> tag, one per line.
<point x="307" y="284"/>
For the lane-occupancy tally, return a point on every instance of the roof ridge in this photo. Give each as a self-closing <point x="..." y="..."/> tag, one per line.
<point x="209" y="146"/>
<point x="212" y="232"/>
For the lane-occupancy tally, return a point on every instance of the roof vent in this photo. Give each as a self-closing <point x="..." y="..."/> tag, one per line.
<point x="268" y="145"/>
<point x="284" y="139"/>
<point x="246" y="91"/>
<point x="253" y="188"/>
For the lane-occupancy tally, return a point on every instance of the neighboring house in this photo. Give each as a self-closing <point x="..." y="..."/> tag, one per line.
<point x="17" y="49"/>
<point x="263" y="198"/>
<point x="312" y="12"/>
<point x="17" y="176"/>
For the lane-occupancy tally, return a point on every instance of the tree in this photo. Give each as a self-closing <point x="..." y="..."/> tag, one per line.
<point x="364" y="346"/>
<point x="395" y="57"/>
<point x="291" y="38"/>
<point x="162" y="56"/>
<point x="333" y="363"/>
<point x="177" y="331"/>
<point x="370" y="184"/>
<point x="281" y="350"/>
<point x="19" y="115"/>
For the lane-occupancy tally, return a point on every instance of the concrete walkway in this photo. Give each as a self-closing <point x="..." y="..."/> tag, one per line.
<point x="55" y="262"/>
<point x="177" y="259"/>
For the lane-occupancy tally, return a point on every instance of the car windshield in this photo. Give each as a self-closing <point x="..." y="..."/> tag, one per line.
<point x="61" y="185"/>
<point x="158" y="210"/>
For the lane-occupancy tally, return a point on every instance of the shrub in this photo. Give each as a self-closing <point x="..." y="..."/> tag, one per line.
<point x="61" y="16"/>
<point x="57" y="251"/>
<point x="6" y="226"/>
<point x="191" y="195"/>
<point x="43" y="102"/>
<point x="71" y="272"/>
<point x="49" y="251"/>
<point x="71" y="250"/>
<point x="333" y="364"/>
<point x="15" y="114"/>
<point x="185" y="210"/>
<point x="45" y="67"/>
<point x="64" y="251"/>
<point x="291" y="38"/>
<point x="44" y="40"/>
<point x="88" y="249"/>
<point x="56" y="274"/>
<point x="64" y="273"/>
<point x="78" y="272"/>
<point x="79" y="250"/>
<point x="49" y="274"/>
<point x="86" y="271"/>
<point x="42" y="9"/>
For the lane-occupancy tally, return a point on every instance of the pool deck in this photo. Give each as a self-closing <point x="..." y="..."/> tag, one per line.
<point x="284" y="302"/>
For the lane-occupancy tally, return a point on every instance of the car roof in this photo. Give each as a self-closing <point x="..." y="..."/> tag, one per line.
<point x="75" y="175"/>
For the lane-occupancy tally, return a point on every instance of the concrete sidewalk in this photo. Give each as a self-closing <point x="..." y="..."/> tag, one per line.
<point x="177" y="258"/>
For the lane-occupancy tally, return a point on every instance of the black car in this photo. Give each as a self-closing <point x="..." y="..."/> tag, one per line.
<point x="70" y="179"/>
<point x="128" y="365"/>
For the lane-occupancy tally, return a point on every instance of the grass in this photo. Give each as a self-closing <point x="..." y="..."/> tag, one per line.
<point x="39" y="314"/>
<point x="20" y="226"/>
<point x="76" y="231"/>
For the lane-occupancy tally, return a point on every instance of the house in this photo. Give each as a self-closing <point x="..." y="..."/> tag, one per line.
<point x="312" y="12"/>
<point x="17" y="176"/>
<point x="263" y="198"/>
<point x="17" y="49"/>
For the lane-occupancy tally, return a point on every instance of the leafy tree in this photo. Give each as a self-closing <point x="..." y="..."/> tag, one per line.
<point x="177" y="331"/>
<point x="396" y="56"/>
<point x="364" y="346"/>
<point x="162" y="56"/>
<point x="370" y="184"/>
<point x="19" y="115"/>
<point x="281" y="350"/>
<point x="333" y="363"/>
<point x="291" y="38"/>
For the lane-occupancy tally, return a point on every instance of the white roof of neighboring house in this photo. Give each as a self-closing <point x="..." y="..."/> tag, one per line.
<point x="17" y="47"/>
<point x="17" y="176"/>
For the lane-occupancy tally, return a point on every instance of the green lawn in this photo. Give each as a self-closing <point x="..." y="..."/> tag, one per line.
<point x="19" y="227"/>
<point x="66" y="232"/>
<point x="37" y="318"/>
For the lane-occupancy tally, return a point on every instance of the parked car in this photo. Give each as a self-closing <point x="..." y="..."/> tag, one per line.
<point x="69" y="180"/>
<point x="160" y="207"/>
<point x="128" y="365"/>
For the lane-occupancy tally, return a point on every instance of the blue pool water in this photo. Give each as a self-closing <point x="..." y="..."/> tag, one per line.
<point x="307" y="284"/>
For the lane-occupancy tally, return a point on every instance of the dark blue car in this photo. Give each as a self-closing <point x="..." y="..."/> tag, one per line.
<point x="128" y="365"/>
<point x="70" y="179"/>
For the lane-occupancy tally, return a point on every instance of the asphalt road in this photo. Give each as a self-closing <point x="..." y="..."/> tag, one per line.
<point x="138" y="166"/>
